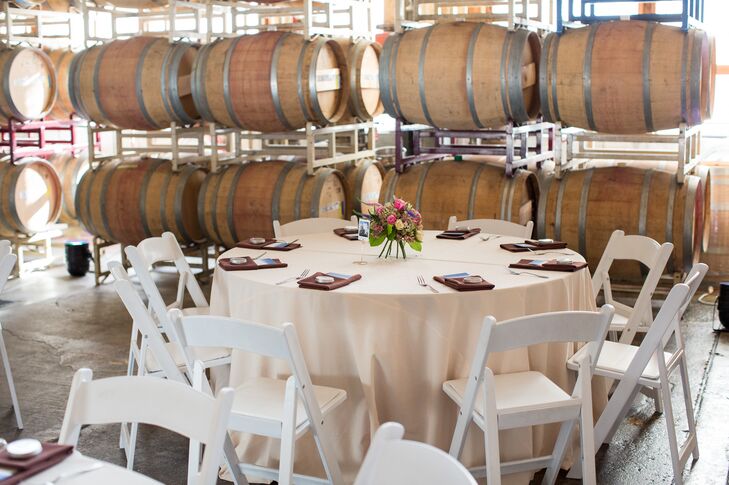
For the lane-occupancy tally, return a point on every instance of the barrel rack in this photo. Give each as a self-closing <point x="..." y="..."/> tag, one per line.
<point x="38" y="28"/>
<point x="688" y="13"/>
<point x="682" y="146"/>
<point x="520" y="145"/>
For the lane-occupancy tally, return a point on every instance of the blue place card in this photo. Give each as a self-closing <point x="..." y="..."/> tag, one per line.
<point x="339" y="275"/>
<point x="455" y="275"/>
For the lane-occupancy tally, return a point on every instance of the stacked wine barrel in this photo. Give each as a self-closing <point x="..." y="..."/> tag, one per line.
<point x="30" y="196"/>
<point x="27" y="85"/>
<point x="465" y="189"/>
<point x="128" y="201"/>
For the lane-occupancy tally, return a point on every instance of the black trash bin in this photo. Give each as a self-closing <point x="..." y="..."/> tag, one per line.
<point x="77" y="257"/>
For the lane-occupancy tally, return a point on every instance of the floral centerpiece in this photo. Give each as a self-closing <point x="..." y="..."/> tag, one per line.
<point x="396" y="223"/>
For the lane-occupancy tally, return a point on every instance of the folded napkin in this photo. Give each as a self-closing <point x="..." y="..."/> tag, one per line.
<point x="350" y="234"/>
<point x="339" y="281"/>
<point x="250" y="264"/>
<point x="456" y="282"/>
<point x="272" y="244"/>
<point x="458" y="234"/>
<point x="533" y="245"/>
<point x="52" y="454"/>
<point x="548" y="265"/>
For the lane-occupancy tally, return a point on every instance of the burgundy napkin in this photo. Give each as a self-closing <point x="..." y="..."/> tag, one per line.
<point x="247" y="244"/>
<point x="458" y="234"/>
<point x="311" y="283"/>
<point x="459" y="285"/>
<point x="248" y="265"/>
<point x="350" y="234"/>
<point x="52" y="454"/>
<point x="515" y="248"/>
<point x="550" y="265"/>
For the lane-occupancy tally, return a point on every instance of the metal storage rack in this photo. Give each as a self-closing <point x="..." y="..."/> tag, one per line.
<point x="534" y="14"/>
<point x="520" y="145"/>
<point x="37" y="28"/>
<point x="689" y="13"/>
<point x="682" y="146"/>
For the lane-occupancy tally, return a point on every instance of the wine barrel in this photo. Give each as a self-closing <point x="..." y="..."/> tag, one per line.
<point x="70" y="169"/>
<point x="61" y="59"/>
<point x="701" y="171"/>
<point x="362" y="73"/>
<point x="364" y="180"/>
<point x="128" y="201"/>
<point x="717" y="254"/>
<point x="586" y="206"/>
<point x="28" y="84"/>
<point x="461" y="75"/>
<point x="627" y="77"/>
<point x="30" y="196"/>
<point x="243" y="200"/>
<point x="269" y="82"/>
<point x="467" y="190"/>
<point x="139" y="83"/>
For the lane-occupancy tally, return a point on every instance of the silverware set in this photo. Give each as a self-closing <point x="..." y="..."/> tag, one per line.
<point x="423" y="283"/>
<point x="300" y="277"/>
<point x="490" y="237"/>
<point x="72" y="473"/>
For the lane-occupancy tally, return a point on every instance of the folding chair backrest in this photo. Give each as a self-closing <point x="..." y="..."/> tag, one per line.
<point x="693" y="280"/>
<point x="393" y="461"/>
<point x="153" y="401"/>
<point x="147" y="327"/>
<point x="495" y="226"/>
<point x="7" y="263"/>
<point x="311" y="225"/>
<point x="164" y="249"/>
<point x="571" y="326"/>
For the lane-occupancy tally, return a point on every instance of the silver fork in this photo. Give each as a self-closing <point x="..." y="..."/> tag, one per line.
<point x="422" y="282"/>
<point x="493" y="236"/>
<point x="301" y="276"/>
<point x="74" y="473"/>
<point x="526" y="272"/>
<point x="260" y="255"/>
<point x="551" y="252"/>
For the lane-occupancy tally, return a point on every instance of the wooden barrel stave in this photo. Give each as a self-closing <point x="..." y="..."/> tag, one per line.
<point x="627" y="77"/>
<point x="30" y="196"/>
<point x="466" y="92"/>
<point x="364" y="179"/>
<point x="294" y="81"/>
<point x="71" y="169"/>
<point x="154" y="199"/>
<point x="242" y="200"/>
<point x="474" y="191"/>
<point x="586" y="206"/>
<point x="61" y="59"/>
<point x="29" y="86"/>
<point x="138" y="83"/>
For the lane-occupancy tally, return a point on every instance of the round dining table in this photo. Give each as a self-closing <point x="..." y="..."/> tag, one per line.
<point x="391" y="343"/>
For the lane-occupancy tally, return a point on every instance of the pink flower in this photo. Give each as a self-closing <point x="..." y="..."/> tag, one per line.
<point x="399" y="204"/>
<point x="391" y="219"/>
<point x="378" y="209"/>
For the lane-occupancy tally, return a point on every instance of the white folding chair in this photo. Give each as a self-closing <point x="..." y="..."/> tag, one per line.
<point x="650" y="365"/>
<point x="5" y="247"/>
<point x="149" y="353"/>
<point x="148" y="400"/>
<point x="312" y="225"/>
<point x="392" y="460"/>
<point x="495" y="226"/>
<point x="160" y="249"/>
<point x="522" y="399"/>
<point x="7" y="263"/>
<point x="276" y="408"/>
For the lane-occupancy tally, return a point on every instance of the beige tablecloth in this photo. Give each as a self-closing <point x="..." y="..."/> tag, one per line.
<point x="391" y="343"/>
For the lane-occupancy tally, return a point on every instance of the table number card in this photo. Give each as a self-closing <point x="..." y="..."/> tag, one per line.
<point x="363" y="232"/>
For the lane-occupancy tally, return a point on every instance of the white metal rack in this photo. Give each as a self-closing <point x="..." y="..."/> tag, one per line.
<point x="534" y="14"/>
<point x="682" y="145"/>
<point x="37" y="28"/>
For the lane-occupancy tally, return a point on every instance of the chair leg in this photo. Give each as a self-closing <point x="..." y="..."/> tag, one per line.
<point x="193" y="461"/>
<point x="689" y="406"/>
<point x="671" y="428"/>
<point x="11" y="382"/>
<point x="550" y="476"/>
<point x="288" y="434"/>
<point x="231" y="458"/>
<point x="587" y="440"/>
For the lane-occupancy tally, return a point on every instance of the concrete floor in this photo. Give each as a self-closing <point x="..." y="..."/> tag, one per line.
<point x="55" y="324"/>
